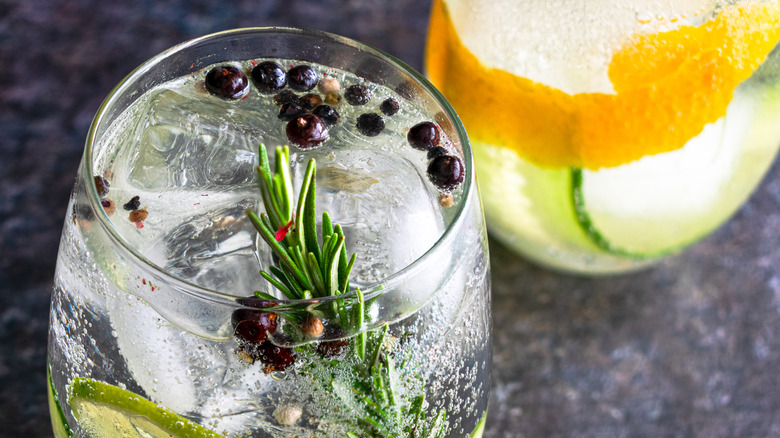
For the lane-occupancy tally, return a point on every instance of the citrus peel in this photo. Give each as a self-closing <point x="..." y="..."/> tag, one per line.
<point x="668" y="86"/>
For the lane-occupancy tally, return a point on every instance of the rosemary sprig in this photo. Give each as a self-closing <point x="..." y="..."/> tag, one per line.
<point x="307" y="269"/>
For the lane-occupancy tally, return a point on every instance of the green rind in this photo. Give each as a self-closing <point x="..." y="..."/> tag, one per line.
<point x="480" y="428"/>
<point x="84" y="393"/>
<point x="529" y="209"/>
<point x="58" y="421"/>
<point x="596" y="236"/>
<point x="541" y="212"/>
<point x="739" y="150"/>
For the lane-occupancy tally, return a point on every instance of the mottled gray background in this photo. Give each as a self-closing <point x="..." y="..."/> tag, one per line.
<point x="690" y="348"/>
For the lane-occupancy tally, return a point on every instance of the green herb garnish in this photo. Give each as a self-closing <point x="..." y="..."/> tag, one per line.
<point x="307" y="269"/>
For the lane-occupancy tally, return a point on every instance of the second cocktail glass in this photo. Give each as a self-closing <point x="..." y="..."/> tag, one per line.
<point x="608" y="135"/>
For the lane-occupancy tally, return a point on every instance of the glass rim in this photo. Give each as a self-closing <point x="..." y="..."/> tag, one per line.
<point x="381" y="286"/>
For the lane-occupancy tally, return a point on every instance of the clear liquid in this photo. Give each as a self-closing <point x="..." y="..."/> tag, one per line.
<point x="190" y="158"/>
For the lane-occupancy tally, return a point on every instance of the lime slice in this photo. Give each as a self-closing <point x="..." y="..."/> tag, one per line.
<point x="480" y="429"/>
<point x="104" y="410"/>
<point x="661" y="203"/>
<point x="58" y="421"/>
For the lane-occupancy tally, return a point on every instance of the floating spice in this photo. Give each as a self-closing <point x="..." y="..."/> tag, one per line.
<point x="101" y="186"/>
<point x="357" y="94"/>
<point x="109" y="206"/>
<point x="227" y="82"/>
<point x="133" y="204"/>
<point x="370" y="124"/>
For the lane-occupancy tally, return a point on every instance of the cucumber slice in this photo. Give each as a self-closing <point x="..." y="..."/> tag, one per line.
<point x="623" y="218"/>
<point x="529" y="209"/>
<point x="104" y="410"/>
<point x="662" y="203"/>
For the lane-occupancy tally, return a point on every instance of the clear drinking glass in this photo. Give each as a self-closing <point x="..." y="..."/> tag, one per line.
<point x="162" y="324"/>
<point x="606" y="134"/>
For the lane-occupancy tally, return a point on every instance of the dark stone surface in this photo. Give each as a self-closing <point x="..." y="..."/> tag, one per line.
<point x="688" y="348"/>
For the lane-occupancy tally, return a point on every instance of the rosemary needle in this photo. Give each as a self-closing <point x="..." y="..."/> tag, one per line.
<point x="307" y="269"/>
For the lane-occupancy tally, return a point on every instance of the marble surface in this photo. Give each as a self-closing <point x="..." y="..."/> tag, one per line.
<point x="688" y="348"/>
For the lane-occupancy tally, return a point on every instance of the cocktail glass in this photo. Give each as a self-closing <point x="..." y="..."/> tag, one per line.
<point x="161" y="322"/>
<point x="608" y="135"/>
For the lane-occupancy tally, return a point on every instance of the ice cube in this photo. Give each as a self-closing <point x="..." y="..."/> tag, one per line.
<point x="216" y="249"/>
<point x="389" y="214"/>
<point x="196" y="141"/>
<point x="238" y="405"/>
<point x="185" y="373"/>
<point x="173" y="367"/>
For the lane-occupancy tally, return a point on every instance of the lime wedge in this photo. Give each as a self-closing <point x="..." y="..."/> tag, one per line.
<point x="104" y="410"/>
<point x="58" y="421"/>
<point x="661" y="203"/>
<point x="480" y="429"/>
